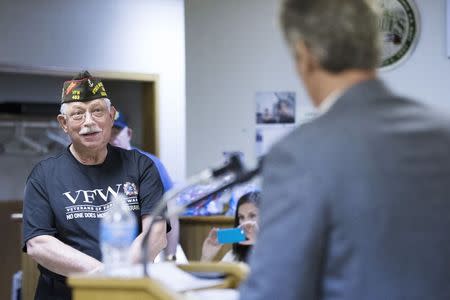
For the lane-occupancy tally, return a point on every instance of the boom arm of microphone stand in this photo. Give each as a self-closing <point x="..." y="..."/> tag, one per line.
<point x="240" y="177"/>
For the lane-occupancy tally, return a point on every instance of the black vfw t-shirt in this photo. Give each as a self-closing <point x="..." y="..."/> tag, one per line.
<point x="66" y="199"/>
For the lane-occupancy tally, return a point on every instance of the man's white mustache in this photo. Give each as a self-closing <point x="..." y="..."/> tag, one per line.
<point x="88" y="130"/>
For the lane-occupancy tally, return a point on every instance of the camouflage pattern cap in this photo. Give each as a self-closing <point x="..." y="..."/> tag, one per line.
<point x="83" y="87"/>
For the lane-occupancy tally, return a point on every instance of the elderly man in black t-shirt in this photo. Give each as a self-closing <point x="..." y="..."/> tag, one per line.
<point x="67" y="195"/>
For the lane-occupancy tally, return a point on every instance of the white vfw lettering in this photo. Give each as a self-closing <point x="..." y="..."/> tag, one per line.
<point x="90" y="195"/>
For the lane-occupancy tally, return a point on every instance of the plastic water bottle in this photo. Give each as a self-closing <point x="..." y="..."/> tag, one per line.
<point x="118" y="229"/>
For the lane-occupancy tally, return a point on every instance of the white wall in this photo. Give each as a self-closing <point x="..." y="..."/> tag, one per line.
<point x="144" y="36"/>
<point x="234" y="48"/>
<point x="425" y="75"/>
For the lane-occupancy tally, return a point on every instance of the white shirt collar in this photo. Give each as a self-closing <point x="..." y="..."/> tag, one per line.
<point x="329" y="101"/>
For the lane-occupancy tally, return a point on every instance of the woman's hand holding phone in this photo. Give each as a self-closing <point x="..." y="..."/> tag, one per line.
<point x="251" y="230"/>
<point x="211" y="246"/>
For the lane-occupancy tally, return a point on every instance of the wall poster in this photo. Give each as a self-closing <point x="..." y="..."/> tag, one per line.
<point x="275" y="117"/>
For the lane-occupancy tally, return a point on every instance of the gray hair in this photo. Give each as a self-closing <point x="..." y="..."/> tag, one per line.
<point x="342" y="34"/>
<point x="63" y="108"/>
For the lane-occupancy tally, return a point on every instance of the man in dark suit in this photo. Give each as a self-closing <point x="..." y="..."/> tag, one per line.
<point x="356" y="203"/>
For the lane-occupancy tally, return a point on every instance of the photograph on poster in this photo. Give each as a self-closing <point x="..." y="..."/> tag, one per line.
<point x="275" y="117"/>
<point x="275" y="107"/>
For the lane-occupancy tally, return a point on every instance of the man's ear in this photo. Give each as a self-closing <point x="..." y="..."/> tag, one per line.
<point x="306" y="61"/>
<point x="112" y="113"/>
<point x="62" y="122"/>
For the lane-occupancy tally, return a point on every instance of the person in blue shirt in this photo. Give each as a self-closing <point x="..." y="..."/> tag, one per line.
<point x="121" y="136"/>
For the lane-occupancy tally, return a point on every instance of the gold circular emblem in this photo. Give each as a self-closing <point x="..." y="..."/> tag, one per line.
<point x="399" y="28"/>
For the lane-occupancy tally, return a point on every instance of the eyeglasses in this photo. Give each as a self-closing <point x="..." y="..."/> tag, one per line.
<point x="80" y="116"/>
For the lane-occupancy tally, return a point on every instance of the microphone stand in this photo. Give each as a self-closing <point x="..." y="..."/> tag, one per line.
<point x="236" y="176"/>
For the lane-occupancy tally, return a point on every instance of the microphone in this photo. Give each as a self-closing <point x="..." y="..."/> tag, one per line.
<point x="233" y="164"/>
<point x="232" y="173"/>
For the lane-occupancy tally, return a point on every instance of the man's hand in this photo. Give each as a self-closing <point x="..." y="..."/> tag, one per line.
<point x="157" y="241"/>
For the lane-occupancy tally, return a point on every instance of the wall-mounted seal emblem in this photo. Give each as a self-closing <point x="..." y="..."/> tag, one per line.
<point x="399" y="27"/>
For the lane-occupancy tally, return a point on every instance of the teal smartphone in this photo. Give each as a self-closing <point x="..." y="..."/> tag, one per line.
<point x="230" y="235"/>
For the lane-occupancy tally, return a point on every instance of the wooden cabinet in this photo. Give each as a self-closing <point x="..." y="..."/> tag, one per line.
<point x="30" y="277"/>
<point x="11" y="245"/>
<point x="30" y="272"/>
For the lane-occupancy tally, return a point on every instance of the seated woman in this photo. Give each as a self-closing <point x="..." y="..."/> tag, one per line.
<point x="247" y="212"/>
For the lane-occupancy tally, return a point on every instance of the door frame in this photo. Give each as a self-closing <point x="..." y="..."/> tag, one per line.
<point x="150" y="94"/>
